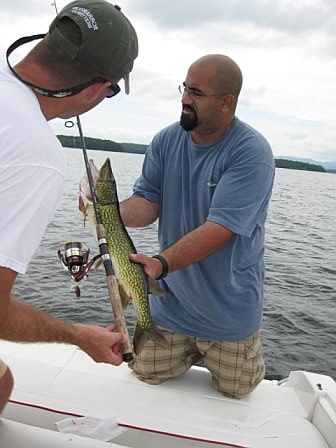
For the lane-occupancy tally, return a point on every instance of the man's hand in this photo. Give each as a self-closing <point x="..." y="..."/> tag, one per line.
<point x="101" y="344"/>
<point x="152" y="266"/>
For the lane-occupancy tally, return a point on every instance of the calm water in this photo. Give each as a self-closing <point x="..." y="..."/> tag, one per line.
<point x="299" y="330"/>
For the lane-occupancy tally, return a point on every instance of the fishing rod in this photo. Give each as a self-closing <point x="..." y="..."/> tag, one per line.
<point x="55" y="6"/>
<point x="111" y="279"/>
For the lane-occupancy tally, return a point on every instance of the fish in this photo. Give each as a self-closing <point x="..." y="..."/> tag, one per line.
<point x="133" y="282"/>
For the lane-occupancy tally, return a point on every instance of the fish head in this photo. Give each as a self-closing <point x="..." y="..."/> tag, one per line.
<point x="105" y="188"/>
<point x="105" y="172"/>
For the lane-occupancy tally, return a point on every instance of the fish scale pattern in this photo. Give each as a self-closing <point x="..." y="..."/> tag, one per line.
<point x="130" y="275"/>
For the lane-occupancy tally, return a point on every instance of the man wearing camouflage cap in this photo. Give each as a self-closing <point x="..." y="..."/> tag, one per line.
<point x="89" y="48"/>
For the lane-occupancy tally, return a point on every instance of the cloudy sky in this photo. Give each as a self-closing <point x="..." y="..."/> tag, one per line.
<point x="286" y="50"/>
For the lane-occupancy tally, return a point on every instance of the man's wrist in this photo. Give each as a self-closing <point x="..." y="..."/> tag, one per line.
<point x="164" y="264"/>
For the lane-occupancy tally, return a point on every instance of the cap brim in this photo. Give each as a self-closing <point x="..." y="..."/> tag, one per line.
<point x="127" y="84"/>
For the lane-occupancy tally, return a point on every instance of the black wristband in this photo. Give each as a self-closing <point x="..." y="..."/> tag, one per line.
<point x="165" y="267"/>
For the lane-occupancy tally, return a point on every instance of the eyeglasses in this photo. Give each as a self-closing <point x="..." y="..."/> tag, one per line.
<point x="195" y="94"/>
<point x="114" y="89"/>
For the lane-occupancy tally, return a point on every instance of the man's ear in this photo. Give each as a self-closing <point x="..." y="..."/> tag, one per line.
<point x="95" y="91"/>
<point x="227" y="102"/>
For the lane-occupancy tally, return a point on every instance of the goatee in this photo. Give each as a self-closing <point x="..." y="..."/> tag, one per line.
<point x="187" y="121"/>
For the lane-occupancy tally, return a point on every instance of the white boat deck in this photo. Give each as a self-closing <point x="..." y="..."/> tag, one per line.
<point x="17" y="435"/>
<point x="53" y="381"/>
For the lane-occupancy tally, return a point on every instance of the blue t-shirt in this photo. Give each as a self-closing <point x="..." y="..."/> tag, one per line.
<point x="229" y="183"/>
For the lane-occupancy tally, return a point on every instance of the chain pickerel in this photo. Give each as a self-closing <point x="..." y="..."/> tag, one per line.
<point x="133" y="283"/>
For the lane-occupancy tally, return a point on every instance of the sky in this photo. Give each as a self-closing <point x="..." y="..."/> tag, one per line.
<point x="286" y="51"/>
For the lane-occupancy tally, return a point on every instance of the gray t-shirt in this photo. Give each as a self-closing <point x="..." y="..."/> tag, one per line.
<point x="229" y="183"/>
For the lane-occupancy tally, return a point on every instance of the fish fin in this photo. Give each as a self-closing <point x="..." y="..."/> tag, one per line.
<point x="142" y="335"/>
<point x="124" y="297"/>
<point x="155" y="288"/>
<point x="97" y="264"/>
<point x="85" y="214"/>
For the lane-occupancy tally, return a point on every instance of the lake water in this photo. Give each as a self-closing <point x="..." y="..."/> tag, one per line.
<point x="299" y="328"/>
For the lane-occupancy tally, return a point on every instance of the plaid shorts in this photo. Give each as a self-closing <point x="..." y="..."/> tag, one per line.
<point x="3" y="368"/>
<point x="236" y="367"/>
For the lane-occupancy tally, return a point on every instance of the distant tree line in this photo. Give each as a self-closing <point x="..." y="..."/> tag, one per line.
<point x="296" y="165"/>
<point x="69" y="141"/>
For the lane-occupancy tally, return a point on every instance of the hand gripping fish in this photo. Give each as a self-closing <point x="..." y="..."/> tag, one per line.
<point x="133" y="283"/>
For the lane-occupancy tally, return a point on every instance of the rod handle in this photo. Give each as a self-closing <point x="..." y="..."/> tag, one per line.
<point x="112" y="286"/>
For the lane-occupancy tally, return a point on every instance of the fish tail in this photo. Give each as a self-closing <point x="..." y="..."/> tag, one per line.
<point x="142" y="335"/>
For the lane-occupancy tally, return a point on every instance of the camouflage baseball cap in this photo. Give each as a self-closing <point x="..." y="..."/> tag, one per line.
<point x="109" y="41"/>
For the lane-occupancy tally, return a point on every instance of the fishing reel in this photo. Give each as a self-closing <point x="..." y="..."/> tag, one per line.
<point x="74" y="257"/>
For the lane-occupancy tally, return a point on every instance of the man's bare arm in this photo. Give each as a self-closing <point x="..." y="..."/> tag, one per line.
<point x="191" y="248"/>
<point x="138" y="212"/>
<point x="21" y="322"/>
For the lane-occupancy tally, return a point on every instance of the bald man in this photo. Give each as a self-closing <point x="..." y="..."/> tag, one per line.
<point x="208" y="180"/>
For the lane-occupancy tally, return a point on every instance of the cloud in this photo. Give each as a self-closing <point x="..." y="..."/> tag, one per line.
<point x="296" y="135"/>
<point x="281" y="15"/>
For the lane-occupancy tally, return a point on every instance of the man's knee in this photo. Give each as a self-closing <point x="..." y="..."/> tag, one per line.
<point x="237" y="391"/>
<point x="243" y="382"/>
<point x="239" y="368"/>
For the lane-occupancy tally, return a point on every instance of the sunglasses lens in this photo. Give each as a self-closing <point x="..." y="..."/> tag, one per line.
<point x="114" y="89"/>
